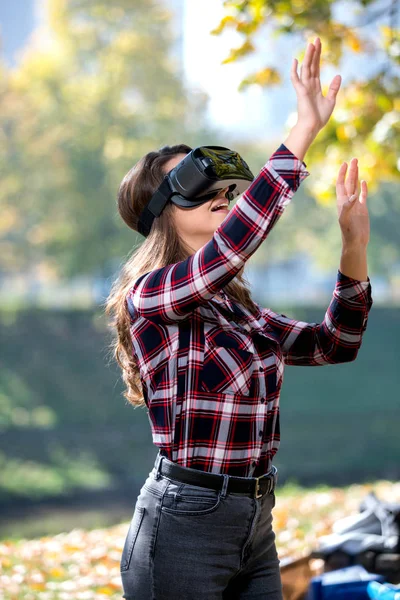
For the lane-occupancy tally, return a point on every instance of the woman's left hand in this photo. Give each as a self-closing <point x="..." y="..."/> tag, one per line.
<point x="313" y="109"/>
<point x="353" y="214"/>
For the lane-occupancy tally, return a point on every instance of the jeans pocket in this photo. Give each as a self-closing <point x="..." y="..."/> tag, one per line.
<point x="131" y="537"/>
<point x="187" y="499"/>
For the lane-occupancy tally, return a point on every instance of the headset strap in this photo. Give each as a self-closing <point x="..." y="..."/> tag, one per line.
<point x="154" y="207"/>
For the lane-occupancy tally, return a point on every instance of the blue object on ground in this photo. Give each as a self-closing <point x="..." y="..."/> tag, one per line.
<point x="377" y="591"/>
<point x="349" y="583"/>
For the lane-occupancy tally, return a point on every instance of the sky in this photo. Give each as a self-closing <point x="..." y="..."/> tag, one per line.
<point x="254" y="111"/>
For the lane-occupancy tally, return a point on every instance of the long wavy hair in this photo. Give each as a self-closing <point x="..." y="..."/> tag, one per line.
<point x="161" y="247"/>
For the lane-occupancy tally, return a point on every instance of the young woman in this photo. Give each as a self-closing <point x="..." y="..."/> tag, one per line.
<point x="207" y="362"/>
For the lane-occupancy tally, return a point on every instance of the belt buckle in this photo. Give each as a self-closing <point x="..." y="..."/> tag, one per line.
<point x="257" y="488"/>
<point x="270" y="485"/>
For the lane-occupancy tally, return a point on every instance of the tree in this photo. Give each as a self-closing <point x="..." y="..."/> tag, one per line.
<point x="365" y="122"/>
<point x="75" y="115"/>
<point x="366" y="119"/>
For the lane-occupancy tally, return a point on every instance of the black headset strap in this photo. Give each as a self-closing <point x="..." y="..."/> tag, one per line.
<point x="154" y="207"/>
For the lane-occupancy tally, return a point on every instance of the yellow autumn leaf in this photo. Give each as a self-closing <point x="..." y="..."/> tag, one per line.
<point x="341" y="133"/>
<point x="236" y="53"/>
<point x="257" y="9"/>
<point x="246" y="27"/>
<point x="107" y="591"/>
<point x="384" y="103"/>
<point x="387" y="32"/>
<point x="228" y="20"/>
<point x="268" y="76"/>
<point x="38" y="585"/>
<point x="56" y="572"/>
<point x="353" y="41"/>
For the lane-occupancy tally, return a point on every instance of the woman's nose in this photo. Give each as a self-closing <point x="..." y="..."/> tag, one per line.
<point x="223" y="193"/>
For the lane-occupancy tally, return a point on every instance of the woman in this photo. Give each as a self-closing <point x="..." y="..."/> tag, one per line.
<point x="207" y="362"/>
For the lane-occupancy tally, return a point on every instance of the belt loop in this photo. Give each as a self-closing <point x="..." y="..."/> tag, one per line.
<point x="225" y="485"/>
<point x="157" y="466"/>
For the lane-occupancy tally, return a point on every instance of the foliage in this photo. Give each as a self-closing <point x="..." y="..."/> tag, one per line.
<point x="366" y="119"/>
<point x="101" y="88"/>
<point x="84" y="564"/>
<point x="90" y="97"/>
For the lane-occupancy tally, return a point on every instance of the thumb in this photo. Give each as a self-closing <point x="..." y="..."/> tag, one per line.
<point x="334" y="88"/>
<point x="350" y="202"/>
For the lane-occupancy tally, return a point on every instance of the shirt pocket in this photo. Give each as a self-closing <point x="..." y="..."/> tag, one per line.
<point x="227" y="367"/>
<point x="158" y="367"/>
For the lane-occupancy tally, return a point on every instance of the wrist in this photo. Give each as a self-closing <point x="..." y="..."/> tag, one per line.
<point x="307" y="129"/>
<point x="353" y="247"/>
<point x="353" y="262"/>
<point x="300" y="139"/>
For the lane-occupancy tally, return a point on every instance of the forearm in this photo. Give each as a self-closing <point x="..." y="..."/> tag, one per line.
<point x="337" y="339"/>
<point x="353" y="262"/>
<point x="168" y="293"/>
<point x="299" y="140"/>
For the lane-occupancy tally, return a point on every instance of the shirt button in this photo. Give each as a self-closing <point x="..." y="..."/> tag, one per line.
<point x="260" y="432"/>
<point x="261" y="369"/>
<point x="253" y="464"/>
<point x="262" y="399"/>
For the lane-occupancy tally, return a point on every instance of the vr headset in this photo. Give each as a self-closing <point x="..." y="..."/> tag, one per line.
<point x="199" y="177"/>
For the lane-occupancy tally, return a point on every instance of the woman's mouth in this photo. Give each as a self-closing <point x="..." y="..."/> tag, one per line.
<point x="223" y="208"/>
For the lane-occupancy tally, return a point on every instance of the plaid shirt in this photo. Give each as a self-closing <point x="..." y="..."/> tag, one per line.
<point x="211" y="370"/>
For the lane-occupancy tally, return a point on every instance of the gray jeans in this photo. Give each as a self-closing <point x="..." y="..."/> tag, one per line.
<point x="188" y="542"/>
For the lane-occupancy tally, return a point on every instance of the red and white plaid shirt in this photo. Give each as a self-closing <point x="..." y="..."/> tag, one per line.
<point x="211" y="371"/>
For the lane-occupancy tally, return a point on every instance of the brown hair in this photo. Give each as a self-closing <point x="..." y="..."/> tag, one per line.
<point x="161" y="247"/>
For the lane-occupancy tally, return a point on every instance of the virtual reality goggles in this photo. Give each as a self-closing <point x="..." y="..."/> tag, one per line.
<point x="199" y="177"/>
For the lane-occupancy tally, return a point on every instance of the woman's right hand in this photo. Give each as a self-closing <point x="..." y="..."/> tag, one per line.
<point x="352" y="207"/>
<point x="313" y="109"/>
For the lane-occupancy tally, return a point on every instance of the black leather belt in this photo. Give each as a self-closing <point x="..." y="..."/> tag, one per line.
<point x="254" y="486"/>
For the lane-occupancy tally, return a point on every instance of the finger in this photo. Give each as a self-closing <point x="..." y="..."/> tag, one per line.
<point x="351" y="184"/>
<point x="364" y="192"/>
<point x="305" y="67"/>
<point x="352" y="201"/>
<point x="294" y="76"/>
<point x="334" y="88"/>
<point x="340" y="186"/>
<point x="314" y="69"/>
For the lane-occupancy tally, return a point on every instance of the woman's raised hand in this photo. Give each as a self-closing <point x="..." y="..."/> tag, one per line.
<point x="313" y="109"/>
<point x="352" y="207"/>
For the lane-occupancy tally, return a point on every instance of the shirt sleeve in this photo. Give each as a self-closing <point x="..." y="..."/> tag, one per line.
<point x="171" y="293"/>
<point x="338" y="338"/>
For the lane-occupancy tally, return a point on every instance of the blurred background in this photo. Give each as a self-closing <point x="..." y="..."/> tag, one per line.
<point x="86" y="89"/>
